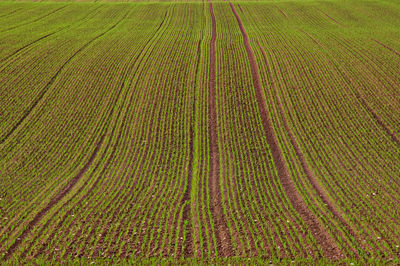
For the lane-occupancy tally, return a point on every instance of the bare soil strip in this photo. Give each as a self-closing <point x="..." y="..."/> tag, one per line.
<point x="36" y="20"/>
<point x="331" y="18"/>
<point x="387" y="47"/>
<point x="29" y="44"/>
<point x="114" y="149"/>
<point x="313" y="180"/>
<point x="54" y="201"/>
<point x="321" y="235"/>
<point x="241" y="10"/>
<point x="52" y="80"/>
<point x="282" y="12"/>
<point x="388" y="129"/>
<point x="43" y="37"/>
<point x="224" y="243"/>
<point x="10" y="13"/>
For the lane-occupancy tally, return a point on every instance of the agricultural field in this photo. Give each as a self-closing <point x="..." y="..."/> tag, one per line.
<point x="200" y="132"/>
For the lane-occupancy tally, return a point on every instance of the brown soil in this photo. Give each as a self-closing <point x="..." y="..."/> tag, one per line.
<point x="282" y="12"/>
<point x="241" y="10"/>
<point x="331" y="18"/>
<point x="224" y="243"/>
<point x="324" y="240"/>
<point x="387" y="47"/>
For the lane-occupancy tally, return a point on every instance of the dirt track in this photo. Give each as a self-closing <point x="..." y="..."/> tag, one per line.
<point x="54" y="201"/>
<point x="322" y="236"/>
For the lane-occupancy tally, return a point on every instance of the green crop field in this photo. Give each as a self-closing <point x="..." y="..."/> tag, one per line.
<point x="240" y="132"/>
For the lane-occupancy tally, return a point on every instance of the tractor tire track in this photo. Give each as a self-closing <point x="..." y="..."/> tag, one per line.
<point x="224" y="243"/>
<point x="36" y="20"/>
<point x="387" y="47"/>
<point x="15" y="225"/>
<point x="43" y="92"/>
<point x="131" y="100"/>
<point x="313" y="180"/>
<point x="353" y="88"/>
<point x="70" y="185"/>
<point x="358" y="239"/>
<point x="113" y="149"/>
<point x="323" y="238"/>
<point x="43" y="37"/>
<point x="364" y="102"/>
<point x="68" y="213"/>
<point x="54" y="201"/>
<point x="331" y="18"/>
<point x="29" y="44"/>
<point x="10" y="13"/>
<point x="187" y="249"/>
<point x="350" y="83"/>
<point x="282" y="12"/>
<point x="388" y="129"/>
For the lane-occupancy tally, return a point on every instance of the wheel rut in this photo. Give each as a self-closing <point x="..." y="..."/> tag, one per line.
<point x="307" y="170"/>
<point x="36" y="20"/>
<point x="187" y="249"/>
<point x="43" y="37"/>
<point x="43" y="92"/>
<point x="224" y="243"/>
<point x="38" y="217"/>
<point x="387" y="47"/>
<point x="71" y="184"/>
<point x="121" y="115"/>
<point x="323" y="238"/>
